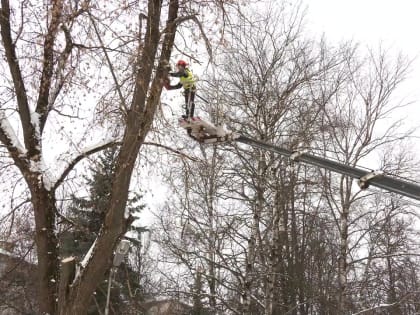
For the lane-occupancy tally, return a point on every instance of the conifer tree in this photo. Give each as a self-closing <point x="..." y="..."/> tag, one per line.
<point x="87" y="214"/>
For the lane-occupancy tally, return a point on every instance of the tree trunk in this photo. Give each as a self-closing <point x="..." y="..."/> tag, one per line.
<point x="344" y="239"/>
<point x="257" y="209"/>
<point x="273" y="296"/>
<point x="47" y="246"/>
<point x="139" y="120"/>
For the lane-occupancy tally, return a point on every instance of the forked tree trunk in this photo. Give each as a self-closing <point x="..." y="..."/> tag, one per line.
<point x="139" y="120"/>
<point x="71" y="292"/>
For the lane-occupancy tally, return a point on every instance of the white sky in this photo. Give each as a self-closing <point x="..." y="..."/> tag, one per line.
<point x="394" y="23"/>
<point x="368" y="20"/>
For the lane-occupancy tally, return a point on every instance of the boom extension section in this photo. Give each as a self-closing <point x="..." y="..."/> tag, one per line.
<point x="205" y="132"/>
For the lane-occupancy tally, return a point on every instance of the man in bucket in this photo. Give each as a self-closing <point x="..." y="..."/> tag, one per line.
<point x="186" y="81"/>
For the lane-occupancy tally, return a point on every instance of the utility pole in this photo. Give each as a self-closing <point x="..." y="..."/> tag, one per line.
<point x="120" y="252"/>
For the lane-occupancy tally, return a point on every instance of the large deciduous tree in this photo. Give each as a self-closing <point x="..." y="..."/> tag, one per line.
<point x="60" y="60"/>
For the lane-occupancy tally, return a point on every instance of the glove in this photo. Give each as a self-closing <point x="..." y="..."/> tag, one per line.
<point x="166" y="82"/>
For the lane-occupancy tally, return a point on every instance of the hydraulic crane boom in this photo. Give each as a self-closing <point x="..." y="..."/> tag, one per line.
<point x="374" y="178"/>
<point x="206" y="132"/>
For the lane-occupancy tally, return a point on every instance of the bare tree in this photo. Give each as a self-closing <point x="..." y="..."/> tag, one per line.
<point x="274" y="87"/>
<point x="272" y="84"/>
<point x="195" y="228"/>
<point x="353" y="117"/>
<point x="52" y="50"/>
<point x="300" y="95"/>
<point x="389" y="252"/>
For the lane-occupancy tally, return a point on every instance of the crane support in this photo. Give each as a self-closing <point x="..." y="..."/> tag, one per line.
<point x="205" y="132"/>
<point x="366" y="178"/>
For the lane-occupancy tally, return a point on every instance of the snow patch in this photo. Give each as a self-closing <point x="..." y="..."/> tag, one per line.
<point x="35" y="120"/>
<point x="84" y="262"/>
<point x="48" y="178"/>
<point x="97" y="145"/>
<point x="126" y="213"/>
<point x="10" y="133"/>
<point x="88" y="255"/>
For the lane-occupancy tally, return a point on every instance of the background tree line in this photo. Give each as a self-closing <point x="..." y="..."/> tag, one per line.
<point x="242" y="231"/>
<point x="268" y="236"/>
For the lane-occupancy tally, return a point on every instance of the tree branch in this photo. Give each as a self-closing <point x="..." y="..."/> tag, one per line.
<point x="10" y="140"/>
<point x="194" y="18"/>
<point x="15" y="71"/>
<point x="171" y="150"/>
<point x="60" y="68"/>
<point x="111" y="68"/>
<point x="80" y="157"/>
<point x="48" y="63"/>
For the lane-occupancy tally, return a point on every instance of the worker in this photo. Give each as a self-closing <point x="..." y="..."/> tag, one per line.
<point x="187" y="81"/>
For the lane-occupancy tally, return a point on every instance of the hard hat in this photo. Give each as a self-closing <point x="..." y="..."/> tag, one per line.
<point x="181" y="63"/>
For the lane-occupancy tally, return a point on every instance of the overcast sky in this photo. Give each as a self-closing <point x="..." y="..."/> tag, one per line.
<point x="368" y="20"/>
<point x="394" y="23"/>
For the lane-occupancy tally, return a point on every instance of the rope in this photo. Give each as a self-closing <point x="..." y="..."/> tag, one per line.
<point x="202" y="98"/>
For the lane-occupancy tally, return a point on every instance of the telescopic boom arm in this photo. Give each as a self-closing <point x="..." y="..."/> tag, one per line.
<point x="206" y="132"/>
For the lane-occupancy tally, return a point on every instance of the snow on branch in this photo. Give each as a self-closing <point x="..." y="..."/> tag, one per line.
<point x="35" y="120"/>
<point x="383" y="305"/>
<point x="40" y="167"/>
<point x="86" y="259"/>
<point x="11" y="138"/>
<point x="83" y="263"/>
